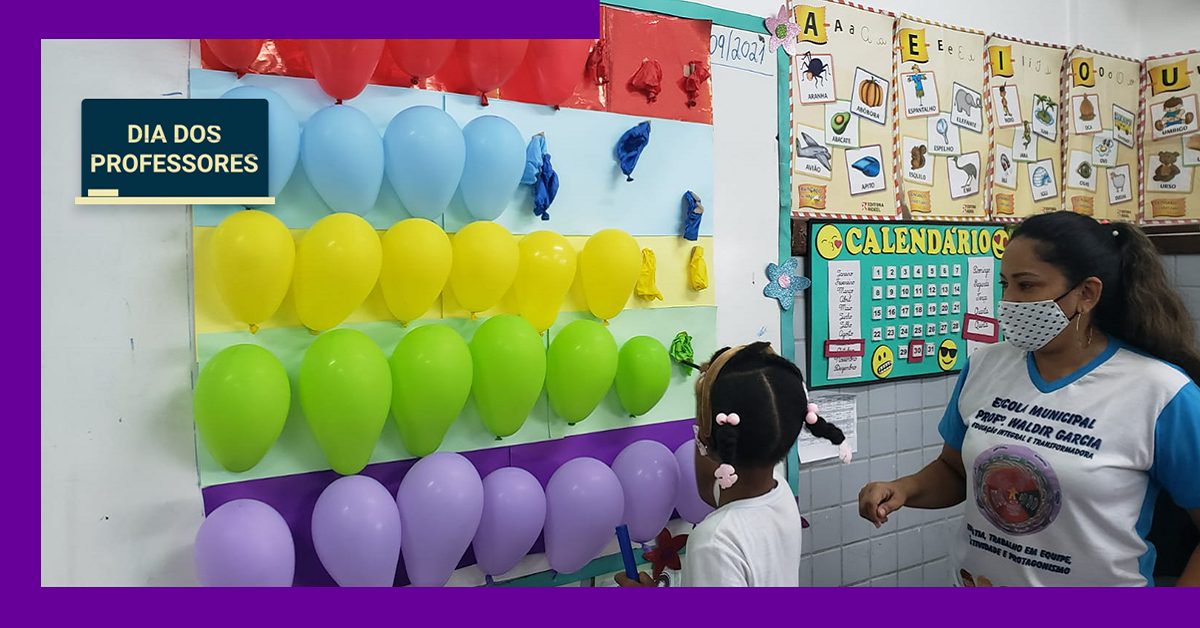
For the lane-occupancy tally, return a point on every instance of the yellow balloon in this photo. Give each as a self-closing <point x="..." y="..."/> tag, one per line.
<point x="608" y="267"/>
<point x="337" y="265"/>
<point x="485" y="264"/>
<point x="416" y="265"/>
<point x="253" y="255"/>
<point x="544" y="276"/>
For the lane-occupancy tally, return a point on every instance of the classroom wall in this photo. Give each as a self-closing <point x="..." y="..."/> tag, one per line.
<point x="897" y="426"/>
<point x="120" y="502"/>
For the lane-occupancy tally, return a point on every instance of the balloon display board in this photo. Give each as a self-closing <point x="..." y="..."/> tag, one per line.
<point x="402" y="318"/>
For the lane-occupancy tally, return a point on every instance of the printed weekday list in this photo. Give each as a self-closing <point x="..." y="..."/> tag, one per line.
<point x="845" y="315"/>
<point x="981" y="288"/>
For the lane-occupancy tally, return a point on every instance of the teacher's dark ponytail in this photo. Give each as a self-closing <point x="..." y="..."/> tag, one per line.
<point x="1138" y="304"/>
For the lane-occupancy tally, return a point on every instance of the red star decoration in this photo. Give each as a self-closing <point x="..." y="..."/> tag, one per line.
<point x="666" y="552"/>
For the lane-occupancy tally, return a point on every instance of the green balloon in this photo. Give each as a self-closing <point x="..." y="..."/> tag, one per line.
<point x="580" y="368"/>
<point x="241" y="403"/>
<point x="509" y="360"/>
<point x="643" y="374"/>
<point x="431" y="380"/>
<point x="345" y="391"/>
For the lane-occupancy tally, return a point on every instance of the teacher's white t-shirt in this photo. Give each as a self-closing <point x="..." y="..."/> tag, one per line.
<point x="1062" y="476"/>
<point x="747" y="543"/>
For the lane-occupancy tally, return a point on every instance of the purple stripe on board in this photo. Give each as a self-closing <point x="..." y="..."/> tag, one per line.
<point x="295" y="495"/>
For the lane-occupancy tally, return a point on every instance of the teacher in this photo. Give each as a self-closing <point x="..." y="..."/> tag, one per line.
<point x="1061" y="438"/>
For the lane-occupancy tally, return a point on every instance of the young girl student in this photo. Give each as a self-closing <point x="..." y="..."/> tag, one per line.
<point x="750" y="407"/>
<point x="1061" y="438"/>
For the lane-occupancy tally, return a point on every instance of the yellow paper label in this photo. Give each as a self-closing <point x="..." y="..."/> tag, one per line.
<point x="1168" y="207"/>
<point x="912" y="45"/>
<point x="919" y="202"/>
<point x="1005" y="204"/>
<point x="810" y="195"/>
<point x="1000" y="58"/>
<point x="1083" y="71"/>
<point x="812" y="24"/>
<point x="1082" y="205"/>
<point x="1169" y="77"/>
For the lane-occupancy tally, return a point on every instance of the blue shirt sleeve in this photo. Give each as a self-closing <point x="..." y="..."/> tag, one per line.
<point x="952" y="428"/>
<point x="1176" y="465"/>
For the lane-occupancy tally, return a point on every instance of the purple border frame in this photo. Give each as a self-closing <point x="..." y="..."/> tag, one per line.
<point x="26" y="24"/>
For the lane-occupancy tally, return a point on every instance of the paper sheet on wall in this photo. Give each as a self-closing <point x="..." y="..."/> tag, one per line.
<point x="845" y="316"/>
<point x="842" y="84"/>
<point x="743" y="50"/>
<point x="981" y="290"/>
<point x="838" y="409"/>
<point x="1022" y="101"/>
<point x="1171" y="137"/>
<point x="943" y="150"/>
<point x="1102" y="171"/>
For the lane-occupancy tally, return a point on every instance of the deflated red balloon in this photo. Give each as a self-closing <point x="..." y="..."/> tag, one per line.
<point x="236" y="54"/>
<point x="490" y="62"/>
<point x="343" y="67"/>
<point x="420" y="58"/>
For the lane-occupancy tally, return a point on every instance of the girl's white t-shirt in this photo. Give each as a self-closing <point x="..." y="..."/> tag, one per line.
<point x="1062" y="476"/>
<point x="747" y="543"/>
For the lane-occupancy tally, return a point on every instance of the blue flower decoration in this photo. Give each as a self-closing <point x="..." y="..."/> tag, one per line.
<point x="785" y="283"/>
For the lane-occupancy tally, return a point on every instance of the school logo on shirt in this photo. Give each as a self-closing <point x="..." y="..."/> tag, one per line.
<point x="1016" y="489"/>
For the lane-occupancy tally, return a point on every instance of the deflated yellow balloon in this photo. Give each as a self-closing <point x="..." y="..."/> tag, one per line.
<point x="544" y="276"/>
<point x="608" y="267"/>
<point x="337" y="265"/>
<point x="253" y="255"/>
<point x="416" y="265"/>
<point x="485" y="265"/>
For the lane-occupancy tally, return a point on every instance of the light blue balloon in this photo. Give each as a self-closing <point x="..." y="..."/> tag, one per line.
<point x="283" y="135"/>
<point x="495" y="163"/>
<point x="343" y="158"/>
<point x="425" y="154"/>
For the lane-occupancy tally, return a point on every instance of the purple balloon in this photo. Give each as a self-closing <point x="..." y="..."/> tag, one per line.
<point x="584" y="504"/>
<point x="649" y="478"/>
<point x="356" y="532"/>
<point x="441" y="501"/>
<point x="514" y="509"/>
<point x="688" y="502"/>
<point x="245" y="543"/>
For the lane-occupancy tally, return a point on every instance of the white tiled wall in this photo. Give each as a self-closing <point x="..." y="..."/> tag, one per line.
<point x="897" y="435"/>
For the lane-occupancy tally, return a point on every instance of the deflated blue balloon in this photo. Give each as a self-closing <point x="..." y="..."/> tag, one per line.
<point x="424" y="158"/>
<point x="494" y="166"/>
<point x="283" y="135"/>
<point x="343" y="157"/>
<point x="630" y="146"/>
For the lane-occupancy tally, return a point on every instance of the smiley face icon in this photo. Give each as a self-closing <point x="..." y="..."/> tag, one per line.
<point x="829" y="241"/>
<point x="882" y="361"/>
<point x="999" y="243"/>
<point x="947" y="355"/>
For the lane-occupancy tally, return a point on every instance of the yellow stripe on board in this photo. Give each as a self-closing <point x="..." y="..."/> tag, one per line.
<point x="250" y="201"/>
<point x="672" y="253"/>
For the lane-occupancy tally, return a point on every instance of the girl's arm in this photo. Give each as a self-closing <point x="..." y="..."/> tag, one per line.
<point x="941" y="484"/>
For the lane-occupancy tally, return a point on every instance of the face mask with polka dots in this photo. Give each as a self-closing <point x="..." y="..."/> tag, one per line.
<point x="1030" y="325"/>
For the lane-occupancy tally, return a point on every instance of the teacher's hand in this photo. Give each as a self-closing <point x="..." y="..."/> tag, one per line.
<point x="644" y="580"/>
<point x="877" y="500"/>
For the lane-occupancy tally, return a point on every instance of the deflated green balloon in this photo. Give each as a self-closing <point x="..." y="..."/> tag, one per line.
<point x="580" y="367"/>
<point x="431" y="380"/>
<point x="345" y="391"/>
<point x="509" y="361"/>
<point x="643" y="374"/>
<point x="241" y="403"/>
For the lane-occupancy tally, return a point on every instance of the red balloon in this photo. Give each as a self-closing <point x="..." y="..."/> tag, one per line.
<point x="491" y="62"/>
<point x="420" y="58"/>
<point x="236" y="54"/>
<point x="557" y="67"/>
<point x="343" y="67"/>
